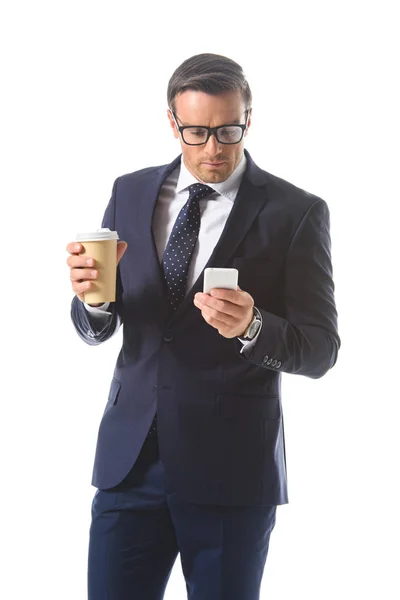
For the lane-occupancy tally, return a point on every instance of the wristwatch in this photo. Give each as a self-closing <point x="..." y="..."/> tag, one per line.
<point x="253" y="328"/>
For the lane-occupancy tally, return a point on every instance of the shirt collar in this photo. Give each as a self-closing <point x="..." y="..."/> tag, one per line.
<point x="228" y="188"/>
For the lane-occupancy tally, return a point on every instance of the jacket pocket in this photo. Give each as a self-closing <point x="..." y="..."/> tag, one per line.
<point x="114" y="392"/>
<point x="248" y="406"/>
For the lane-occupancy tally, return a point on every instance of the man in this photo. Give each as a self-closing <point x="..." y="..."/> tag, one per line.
<point x="190" y="455"/>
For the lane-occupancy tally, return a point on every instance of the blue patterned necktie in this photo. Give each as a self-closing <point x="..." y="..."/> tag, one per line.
<point x="181" y="244"/>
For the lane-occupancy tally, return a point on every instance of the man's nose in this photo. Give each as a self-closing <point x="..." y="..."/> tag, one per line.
<point x="213" y="146"/>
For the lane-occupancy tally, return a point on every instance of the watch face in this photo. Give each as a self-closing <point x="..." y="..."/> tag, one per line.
<point x="254" y="328"/>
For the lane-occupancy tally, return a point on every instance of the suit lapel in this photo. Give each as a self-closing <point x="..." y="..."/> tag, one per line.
<point x="140" y="228"/>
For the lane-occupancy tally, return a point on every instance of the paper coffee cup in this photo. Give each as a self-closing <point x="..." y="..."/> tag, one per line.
<point x="102" y="246"/>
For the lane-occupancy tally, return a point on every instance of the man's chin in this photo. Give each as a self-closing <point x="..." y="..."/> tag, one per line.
<point x="217" y="175"/>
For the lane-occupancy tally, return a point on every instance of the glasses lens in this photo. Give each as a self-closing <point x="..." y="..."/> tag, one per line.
<point x="229" y="135"/>
<point x="195" y="135"/>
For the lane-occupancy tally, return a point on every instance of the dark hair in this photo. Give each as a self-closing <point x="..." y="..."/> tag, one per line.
<point x="209" y="73"/>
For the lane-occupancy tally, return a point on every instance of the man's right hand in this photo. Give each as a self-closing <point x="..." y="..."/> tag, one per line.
<point x="83" y="268"/>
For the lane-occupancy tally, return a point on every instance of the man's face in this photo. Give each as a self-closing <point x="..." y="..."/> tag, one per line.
<point x="211" y="162"/>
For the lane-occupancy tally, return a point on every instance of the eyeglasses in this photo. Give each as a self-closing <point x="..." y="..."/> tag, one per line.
<point x="193" y="135"/>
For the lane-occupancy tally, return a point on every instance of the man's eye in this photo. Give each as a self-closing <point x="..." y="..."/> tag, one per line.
<point x="229" y="131"/>
<point x="196" y="132"/>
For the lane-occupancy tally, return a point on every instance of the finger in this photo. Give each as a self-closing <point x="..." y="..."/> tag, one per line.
<point x="217" y="316"/>
<point x="80" y="261"/>
<point x="216" y="323"/>
<point x="121" y="248"/>
<point x="74" y="248"/>
<point x="83" y="274"/>
<point x="221" y="306"/>
<point x="81" y="287"/>
<point x="240" y="298"/>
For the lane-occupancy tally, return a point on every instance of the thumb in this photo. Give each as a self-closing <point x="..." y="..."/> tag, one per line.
<point x="121" y="247"/>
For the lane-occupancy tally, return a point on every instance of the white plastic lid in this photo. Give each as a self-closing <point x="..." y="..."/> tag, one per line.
<point x="96" y="236"/>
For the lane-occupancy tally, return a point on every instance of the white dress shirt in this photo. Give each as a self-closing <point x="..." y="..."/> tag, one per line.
<point x="214" y="212"/>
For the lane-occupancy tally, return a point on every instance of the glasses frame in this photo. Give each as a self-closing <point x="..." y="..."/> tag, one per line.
<point x="211" y="130"/>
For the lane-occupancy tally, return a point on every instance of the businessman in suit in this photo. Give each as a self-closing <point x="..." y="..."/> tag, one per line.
<point x="190" y="455"/>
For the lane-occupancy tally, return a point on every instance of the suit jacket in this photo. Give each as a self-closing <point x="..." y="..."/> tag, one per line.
<point x="220" y="422"/>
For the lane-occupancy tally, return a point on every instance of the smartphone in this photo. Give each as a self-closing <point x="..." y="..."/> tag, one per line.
<point x="220" y="278"/>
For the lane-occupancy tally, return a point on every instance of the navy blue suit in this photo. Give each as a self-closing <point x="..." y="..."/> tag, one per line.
<point x="220" y="423"/>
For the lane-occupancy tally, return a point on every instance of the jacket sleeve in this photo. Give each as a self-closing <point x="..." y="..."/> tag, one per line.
<point x="305" y="339"/>
<point x="91" y="330"/>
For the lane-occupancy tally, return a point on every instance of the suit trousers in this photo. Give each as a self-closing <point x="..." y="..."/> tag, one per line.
<point x="139" y="527"/>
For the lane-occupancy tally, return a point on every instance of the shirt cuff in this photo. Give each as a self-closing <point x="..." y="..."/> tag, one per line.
<point x="99" y="310"/>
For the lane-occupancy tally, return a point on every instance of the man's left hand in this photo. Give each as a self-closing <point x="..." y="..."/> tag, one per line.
<point x="228" y="311"/>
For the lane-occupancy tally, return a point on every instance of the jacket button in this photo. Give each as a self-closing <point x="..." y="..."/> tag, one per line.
<point x="169" y="336"/>
<point x="265" y="359"/>
<point x="278" y="364"/>
<point x="269" y="361"/>
<point x="273" y="364"/>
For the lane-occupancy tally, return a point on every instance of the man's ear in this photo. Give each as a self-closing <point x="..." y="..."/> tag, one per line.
<point x="172" y="123"/>
<point x="248" y="121"/>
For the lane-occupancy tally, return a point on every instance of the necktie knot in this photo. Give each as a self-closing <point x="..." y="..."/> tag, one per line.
<point x="199" y="190"/>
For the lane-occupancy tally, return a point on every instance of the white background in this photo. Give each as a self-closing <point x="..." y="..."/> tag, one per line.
<point x="83" y="96"/>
